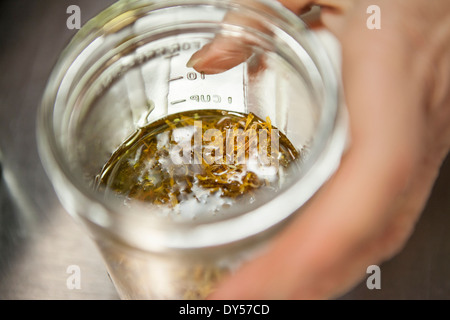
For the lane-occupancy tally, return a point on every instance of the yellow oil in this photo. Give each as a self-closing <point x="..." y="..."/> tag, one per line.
<point x="201" y="157"/>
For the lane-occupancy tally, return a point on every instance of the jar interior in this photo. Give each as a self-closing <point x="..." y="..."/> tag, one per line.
<point x="133" y="72"/>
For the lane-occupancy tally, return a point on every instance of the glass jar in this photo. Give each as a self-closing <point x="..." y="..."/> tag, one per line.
<point x="126" y="68"/>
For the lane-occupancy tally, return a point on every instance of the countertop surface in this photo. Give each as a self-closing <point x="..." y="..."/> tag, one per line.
<point x="40" y="242"/>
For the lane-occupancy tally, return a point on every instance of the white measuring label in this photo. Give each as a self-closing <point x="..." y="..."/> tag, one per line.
<point x="191" y="90"/>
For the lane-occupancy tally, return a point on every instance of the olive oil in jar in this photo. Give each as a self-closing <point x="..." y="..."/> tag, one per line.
<point x="208" y="158"/>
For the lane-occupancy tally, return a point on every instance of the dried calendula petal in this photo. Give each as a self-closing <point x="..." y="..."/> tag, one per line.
<point x="249" y="120"/>
<point x="269" y="124"/>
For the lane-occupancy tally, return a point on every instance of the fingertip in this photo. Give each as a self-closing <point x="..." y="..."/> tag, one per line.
<point x="219" y="56"/>
<point x="197" y="57"/>
<point x="192" y="62"/>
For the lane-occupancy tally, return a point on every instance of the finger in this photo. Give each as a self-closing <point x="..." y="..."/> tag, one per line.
<point x="329" y="246"/>
<point x="224" y="52"/>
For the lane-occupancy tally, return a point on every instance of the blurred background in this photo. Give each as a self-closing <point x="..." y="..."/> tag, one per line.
<point x="39" y="241"/>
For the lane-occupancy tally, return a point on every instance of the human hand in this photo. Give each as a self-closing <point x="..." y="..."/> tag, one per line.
<point x="397" y="88"/>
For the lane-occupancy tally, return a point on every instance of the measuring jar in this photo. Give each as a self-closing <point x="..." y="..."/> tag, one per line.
<point x="126" y="68"/>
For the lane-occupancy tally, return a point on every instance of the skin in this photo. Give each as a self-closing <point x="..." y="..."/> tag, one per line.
<point x="397" y="87"/>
